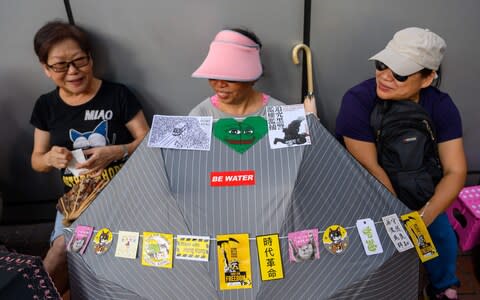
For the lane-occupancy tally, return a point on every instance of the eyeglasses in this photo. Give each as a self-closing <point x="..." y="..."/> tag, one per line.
<point x="381" y="66"/>
<point x="64" y="65"/>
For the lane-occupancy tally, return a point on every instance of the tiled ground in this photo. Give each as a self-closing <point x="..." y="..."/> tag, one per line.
<point x="33" y="240"/>
<point x="467" y="265"/>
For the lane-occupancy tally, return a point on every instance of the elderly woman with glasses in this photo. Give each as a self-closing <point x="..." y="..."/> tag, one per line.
<point x="83" y="112"/>
<point x="405" y="70"/>
<point x="232" y="67"/>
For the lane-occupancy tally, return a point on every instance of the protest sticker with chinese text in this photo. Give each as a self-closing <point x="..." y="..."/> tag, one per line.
<point x="269" y="257"/>
<point x="396" y="233"/>
<point x="303" y="245"/>
<point x="368" y="234"/>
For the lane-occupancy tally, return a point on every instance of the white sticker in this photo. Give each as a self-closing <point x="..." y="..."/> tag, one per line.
<point x="396" y="232"/>
<point x="368" y="234"/>
<point x="77" y="157"/>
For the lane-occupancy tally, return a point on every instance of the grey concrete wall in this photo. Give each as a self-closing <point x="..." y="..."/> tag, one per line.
<point x="21" y="82"/>
<point x="154" y="46"/>
<point x="151" y="46"/>
<point x="345" y="33"/>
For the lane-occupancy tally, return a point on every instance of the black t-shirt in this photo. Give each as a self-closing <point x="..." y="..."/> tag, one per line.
<point x="99" y="122"/>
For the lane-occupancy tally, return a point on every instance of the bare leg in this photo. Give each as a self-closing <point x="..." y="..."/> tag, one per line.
<point x="55" y="264"/>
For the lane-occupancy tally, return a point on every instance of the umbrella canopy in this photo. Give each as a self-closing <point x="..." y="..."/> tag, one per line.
<point x="23" y="277"/>
<point x="296" y="188"/>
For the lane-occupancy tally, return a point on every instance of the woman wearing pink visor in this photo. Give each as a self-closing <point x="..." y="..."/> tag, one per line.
<point x="232" y="67"/>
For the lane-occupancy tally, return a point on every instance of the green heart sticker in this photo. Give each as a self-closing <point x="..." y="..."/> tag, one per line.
<point x="240" y="135"/>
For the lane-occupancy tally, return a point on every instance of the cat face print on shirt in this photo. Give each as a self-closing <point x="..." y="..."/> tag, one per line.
<point x="96" y="138"/>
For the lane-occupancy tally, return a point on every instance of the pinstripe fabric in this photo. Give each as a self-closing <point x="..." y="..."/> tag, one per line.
<point x="296" y="188"/>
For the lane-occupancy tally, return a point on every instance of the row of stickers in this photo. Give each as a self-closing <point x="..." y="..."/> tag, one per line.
<point x="233" y="250"/>
<point x="286" y="126"/>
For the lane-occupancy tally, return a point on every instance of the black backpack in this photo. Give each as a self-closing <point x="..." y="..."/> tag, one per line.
<point x="407" y="150"/>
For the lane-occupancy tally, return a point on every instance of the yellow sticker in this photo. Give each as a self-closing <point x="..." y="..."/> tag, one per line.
<point x="269" y="257"/>
<point x="102" y="241"/>
<point x="419" y="234"/>
<point x="335" y="239"/>
<point x="233" y="252"/>
<point x="191" y="247"/>
<point x="157" y="249"/>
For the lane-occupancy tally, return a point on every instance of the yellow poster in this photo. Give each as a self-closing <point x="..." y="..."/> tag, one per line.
<point x="419" y="234"/>
<point x="269" y="257"/>
<point x="157" y="249"/>
<point x="234" y="270"/>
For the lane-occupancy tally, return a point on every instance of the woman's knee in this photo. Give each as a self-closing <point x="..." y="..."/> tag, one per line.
<point x="58" y="247"/>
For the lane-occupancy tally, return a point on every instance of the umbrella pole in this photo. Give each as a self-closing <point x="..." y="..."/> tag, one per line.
<point x="296" y="61"/>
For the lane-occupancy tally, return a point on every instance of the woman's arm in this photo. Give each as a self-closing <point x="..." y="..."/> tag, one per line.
<point x="138" y="128"/>
<point x="454" y="164"/>
<point x="45" y="158"/>
<point x="100" y="157"/>
<point x="366" y="154"/>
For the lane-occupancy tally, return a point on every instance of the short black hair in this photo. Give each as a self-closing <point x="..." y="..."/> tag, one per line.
<point x="56" y="31"/>
<point x="250" y="34"/>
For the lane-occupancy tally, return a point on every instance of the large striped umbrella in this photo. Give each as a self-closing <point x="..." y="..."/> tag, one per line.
<point x="296" y="188"/>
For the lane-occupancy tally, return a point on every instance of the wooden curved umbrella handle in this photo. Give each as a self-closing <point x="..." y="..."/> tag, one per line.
<point x="308" y="55"/>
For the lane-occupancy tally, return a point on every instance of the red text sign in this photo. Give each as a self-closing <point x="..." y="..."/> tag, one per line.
<point x="232" y="178"/>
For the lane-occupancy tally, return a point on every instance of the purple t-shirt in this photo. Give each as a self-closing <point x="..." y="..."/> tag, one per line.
<point x="353" y="119"/>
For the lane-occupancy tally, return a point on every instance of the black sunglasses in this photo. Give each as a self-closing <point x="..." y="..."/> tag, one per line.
<point x="63" y="66"/>
<point x="381" y="66"/>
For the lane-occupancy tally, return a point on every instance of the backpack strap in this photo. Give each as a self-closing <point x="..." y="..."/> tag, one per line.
<point x="377" y="116"/>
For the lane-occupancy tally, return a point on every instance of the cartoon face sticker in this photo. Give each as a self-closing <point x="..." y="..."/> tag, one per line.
<point x="102" y="241"/>
<point x="306" y="251"/>
<point x="77" y="245"/>
<point x="240" y="136"/>
<point x="335" y="239"/>
<point x="303" y="245"/>
<point x="95" y="138"/>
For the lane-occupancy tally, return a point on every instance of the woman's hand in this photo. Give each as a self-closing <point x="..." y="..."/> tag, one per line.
<point x="46" y="157"/>
<point x="310" y="105"/>
<point x="58" y="157"/>
<point x="99" y="158"/>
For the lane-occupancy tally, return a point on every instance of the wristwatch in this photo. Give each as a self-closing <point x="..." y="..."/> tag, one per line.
<point x="125" y="150"/>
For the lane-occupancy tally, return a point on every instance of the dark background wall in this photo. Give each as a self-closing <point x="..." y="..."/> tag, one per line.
<point x="153" y="47"/>
<point x="21" y="82"/>
<point x="345" y="33"/>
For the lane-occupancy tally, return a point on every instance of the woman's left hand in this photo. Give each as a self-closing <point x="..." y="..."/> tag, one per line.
<point x="98" y="159"/>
